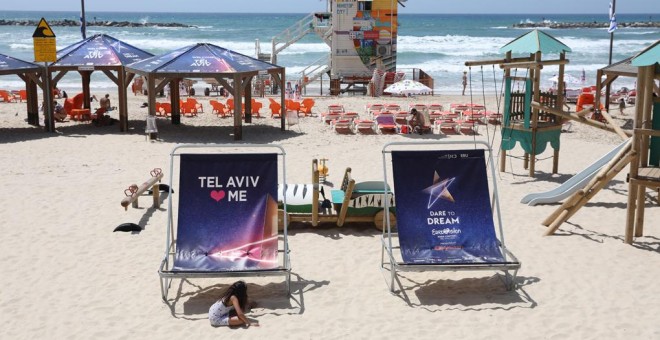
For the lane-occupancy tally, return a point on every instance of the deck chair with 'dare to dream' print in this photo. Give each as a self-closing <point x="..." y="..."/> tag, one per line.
<point x="226" y="221"/>
<point x="443" y="211"/>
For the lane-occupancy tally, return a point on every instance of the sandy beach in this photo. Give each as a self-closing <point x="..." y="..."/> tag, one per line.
<point x="66" y="274"/>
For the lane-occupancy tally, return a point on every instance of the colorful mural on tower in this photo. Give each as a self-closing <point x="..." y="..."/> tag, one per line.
<point x="364" y="36"/>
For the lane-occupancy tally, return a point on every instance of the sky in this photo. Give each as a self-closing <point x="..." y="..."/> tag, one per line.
<point x="308" y="6"/>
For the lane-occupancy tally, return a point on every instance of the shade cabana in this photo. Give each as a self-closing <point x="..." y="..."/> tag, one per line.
<point x="99" y="53"/>
<point x="33" y="76"/>
<point x="233" y="70"/>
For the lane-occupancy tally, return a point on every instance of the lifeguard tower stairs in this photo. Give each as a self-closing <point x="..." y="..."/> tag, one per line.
<point x="318" y="23"/>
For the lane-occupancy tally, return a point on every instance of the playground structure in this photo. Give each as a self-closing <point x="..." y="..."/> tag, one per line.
<point x="133" y="192"/>
<point x="352" y="202"/>
<point x="531" y="126"/>
<point x="575" y="183"/>
<point x="642" y="151"/>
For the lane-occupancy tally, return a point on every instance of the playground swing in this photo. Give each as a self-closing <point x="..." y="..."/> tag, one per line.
<point x="524" y="122"/>
<point x="473" y="107"/>
<point x="488" y="116"/>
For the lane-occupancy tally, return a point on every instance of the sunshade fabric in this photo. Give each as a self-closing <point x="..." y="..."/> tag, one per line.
<point x="649" y="56"/>
<point x="535" y="41"/>
<point x="10" y="64"/>
<point x="99" y="50"/>
<point x="202" y="58"/>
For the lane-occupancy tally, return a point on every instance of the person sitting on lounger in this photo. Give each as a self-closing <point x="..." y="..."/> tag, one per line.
<point x="105" y="102"/>
<point x="228" y="310"/>
<point x="416" y="121"/>
<point x="59" y="113"/>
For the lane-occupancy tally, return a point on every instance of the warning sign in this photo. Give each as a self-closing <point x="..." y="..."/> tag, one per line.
<point x="45" y="49"/>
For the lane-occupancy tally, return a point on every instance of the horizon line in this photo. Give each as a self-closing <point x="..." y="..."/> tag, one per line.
<point x="400" y="12"/>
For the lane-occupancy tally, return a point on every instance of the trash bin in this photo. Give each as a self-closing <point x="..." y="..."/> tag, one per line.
<point x="151" y="130"/>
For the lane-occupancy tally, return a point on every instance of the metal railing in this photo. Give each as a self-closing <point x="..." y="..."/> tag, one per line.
<point x="314" y="71"/>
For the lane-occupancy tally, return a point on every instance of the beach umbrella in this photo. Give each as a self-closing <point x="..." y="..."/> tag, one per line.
<point x="408" y="87"/>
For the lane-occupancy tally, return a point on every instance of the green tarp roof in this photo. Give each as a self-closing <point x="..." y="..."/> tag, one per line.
<point x="535" y="41"/>
<point x="648" y="57"/>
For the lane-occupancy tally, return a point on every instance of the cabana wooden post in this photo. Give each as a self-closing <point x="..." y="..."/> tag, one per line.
<point x="33" y="75"/>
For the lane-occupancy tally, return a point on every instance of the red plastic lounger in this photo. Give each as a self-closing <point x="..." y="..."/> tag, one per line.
<point x="386" y="123"/>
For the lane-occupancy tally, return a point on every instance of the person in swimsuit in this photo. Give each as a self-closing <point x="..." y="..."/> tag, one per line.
<point x="228" y="310"/>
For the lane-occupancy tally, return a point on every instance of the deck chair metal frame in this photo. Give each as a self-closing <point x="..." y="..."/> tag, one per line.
<point x="165" y="270"/>
<point x="393" y="263"/>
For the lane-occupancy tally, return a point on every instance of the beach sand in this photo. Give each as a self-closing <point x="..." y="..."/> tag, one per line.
<point x="65" y="274"/>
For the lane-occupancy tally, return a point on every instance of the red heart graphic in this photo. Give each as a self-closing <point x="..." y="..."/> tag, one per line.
<point x="217" y="195"/>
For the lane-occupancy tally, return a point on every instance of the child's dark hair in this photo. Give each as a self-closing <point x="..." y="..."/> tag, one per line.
<point x="238" y="289"/>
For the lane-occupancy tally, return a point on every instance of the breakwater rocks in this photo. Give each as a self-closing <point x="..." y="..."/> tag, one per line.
<point x="559" y="25"/>
<point x="76" y="23"/>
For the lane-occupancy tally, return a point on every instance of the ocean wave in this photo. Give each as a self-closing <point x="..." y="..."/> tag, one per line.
<point x="628" y="32"/>
<point x="17" y="46"/>
<point x="452" y="45"/>
<point x="589" y="46"/>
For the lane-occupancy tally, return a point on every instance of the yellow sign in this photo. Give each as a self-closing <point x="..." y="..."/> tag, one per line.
<point x="45" y="49"/>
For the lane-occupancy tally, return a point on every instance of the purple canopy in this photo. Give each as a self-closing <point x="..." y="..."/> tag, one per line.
<point x="99" y="50"/>
<point x="10" y="65"/>
<point x="202" y="58"/>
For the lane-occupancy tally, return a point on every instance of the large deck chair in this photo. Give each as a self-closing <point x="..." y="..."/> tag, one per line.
<point x="444" y="212"/>
<point x="226" y="221"/>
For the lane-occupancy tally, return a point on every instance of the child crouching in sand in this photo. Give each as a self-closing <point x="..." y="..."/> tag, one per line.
<point x="228" y="310"/>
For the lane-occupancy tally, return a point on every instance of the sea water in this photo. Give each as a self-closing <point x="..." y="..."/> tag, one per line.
<point x="439" y="44"/>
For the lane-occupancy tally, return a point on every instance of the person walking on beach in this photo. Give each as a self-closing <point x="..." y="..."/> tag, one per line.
<point x="464" y="81"/>
<point x="228" y="310"/>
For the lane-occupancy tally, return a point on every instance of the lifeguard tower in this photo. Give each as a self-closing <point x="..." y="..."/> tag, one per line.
<point x="530" y="126"/>
<point x="362" y="36"/>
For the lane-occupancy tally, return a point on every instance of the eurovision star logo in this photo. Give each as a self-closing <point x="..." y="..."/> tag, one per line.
<point x="439" y="189"/>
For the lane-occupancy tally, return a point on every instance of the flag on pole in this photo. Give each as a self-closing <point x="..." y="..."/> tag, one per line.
<point x="613" y="26"/>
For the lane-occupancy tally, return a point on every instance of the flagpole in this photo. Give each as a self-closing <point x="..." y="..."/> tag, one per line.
<point x="608" y="87"/>
<point x="83" y="21"/>
<point x="612" y="33"/>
